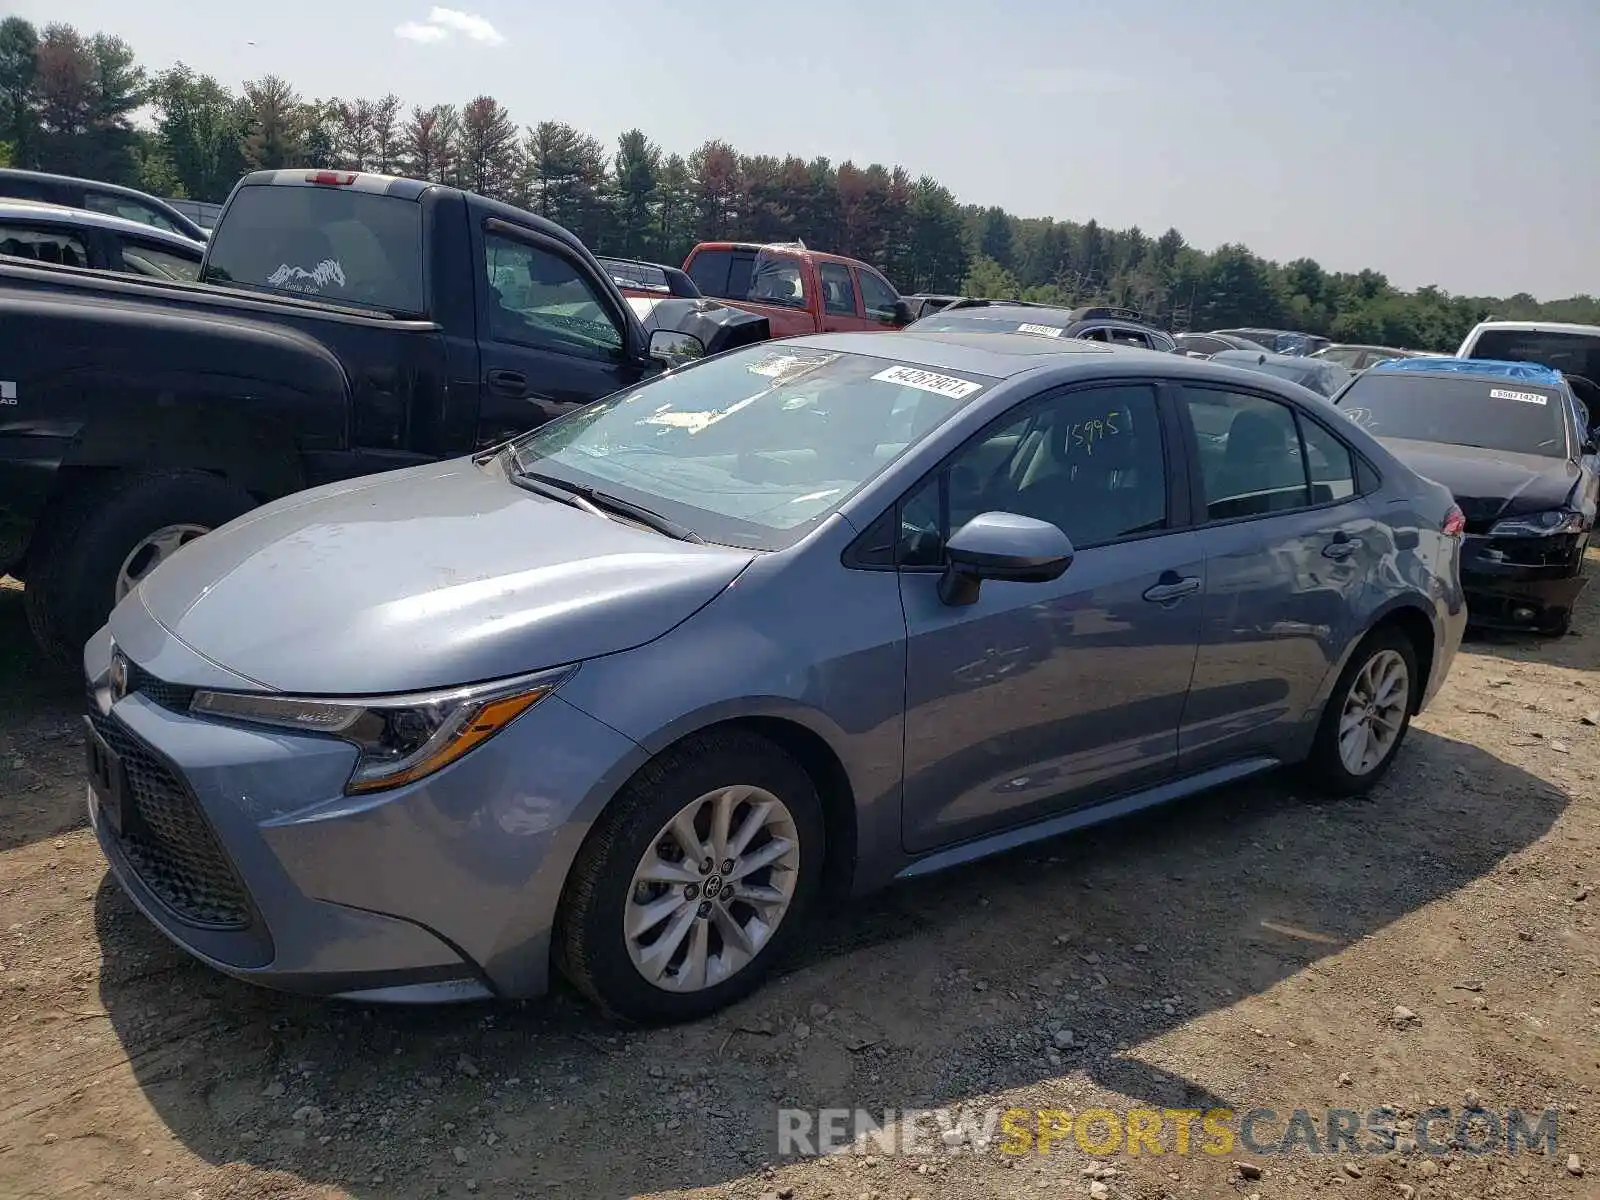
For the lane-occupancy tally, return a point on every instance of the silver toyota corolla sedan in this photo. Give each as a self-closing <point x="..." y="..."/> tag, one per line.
<point x="629" y="695"/>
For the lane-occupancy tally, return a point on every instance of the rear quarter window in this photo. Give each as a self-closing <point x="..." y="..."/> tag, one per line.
<point x="336" y="244"/>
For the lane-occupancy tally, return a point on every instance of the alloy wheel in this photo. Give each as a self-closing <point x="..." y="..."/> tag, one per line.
<point x="712" y="889"/>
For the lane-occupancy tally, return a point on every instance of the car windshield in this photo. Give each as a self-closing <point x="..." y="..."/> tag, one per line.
<point x="1512" y="416"/>
<point x="752" y="448"/>
<point x="1044" y="323"/>
<point x="1569" y="353"/>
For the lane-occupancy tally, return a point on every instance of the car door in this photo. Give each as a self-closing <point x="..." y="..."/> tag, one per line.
<point x="1041" y="697"/>
<point x="1289" y="545"/>
<point x="841" y="310"/>
<point x="880" y="303"/>
<point x="550" y="338"/>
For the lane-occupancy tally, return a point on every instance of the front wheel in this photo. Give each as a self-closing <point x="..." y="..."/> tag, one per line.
<point x="1367" y="715"/>
<point x="693" y="881"/>
<point x="99" y="541"/>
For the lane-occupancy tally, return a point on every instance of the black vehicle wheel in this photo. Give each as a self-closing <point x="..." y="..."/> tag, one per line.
<point x="1557" y="624"/>
<point x="97" y="543"/>
<point x="694" y="881"/>
<point x="1367" y="715"/>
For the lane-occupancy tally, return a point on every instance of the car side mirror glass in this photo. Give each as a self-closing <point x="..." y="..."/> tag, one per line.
<point x="1002" y="546"/>
<point x="673" y="348"/>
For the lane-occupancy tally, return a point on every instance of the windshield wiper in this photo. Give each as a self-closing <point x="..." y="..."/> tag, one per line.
<point x="602" y="504"/>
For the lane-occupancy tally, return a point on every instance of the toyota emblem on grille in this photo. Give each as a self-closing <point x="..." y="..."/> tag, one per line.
<point x="119" y="675"/>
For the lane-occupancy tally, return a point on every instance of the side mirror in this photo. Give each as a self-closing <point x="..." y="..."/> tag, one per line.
<point x="1001" y="546"/>
<point x="673" y="348"/>
<point x="902" y="313"/>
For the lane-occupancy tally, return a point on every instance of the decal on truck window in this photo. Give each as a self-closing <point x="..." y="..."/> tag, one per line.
<point x="1042" y="330"/>
<point x="8" y="391"/>
<point x="929" y="381"/>
<point x="1525" y="397"/>
<point x="298" y="279"/>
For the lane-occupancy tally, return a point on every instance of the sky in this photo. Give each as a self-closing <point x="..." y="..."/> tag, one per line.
<point x="1452" y="142"/>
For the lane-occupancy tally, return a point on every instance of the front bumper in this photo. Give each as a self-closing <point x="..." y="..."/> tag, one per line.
<point x="239" y="844"/>
<point x="1521" y="583"/>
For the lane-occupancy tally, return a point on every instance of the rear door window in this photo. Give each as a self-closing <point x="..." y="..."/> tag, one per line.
<point x="53" y="246"/>
<point x="838" y="289"/>
<point x="146" y="258"/>
<point x="336" y="244"/>
<point x="129" y="209"/>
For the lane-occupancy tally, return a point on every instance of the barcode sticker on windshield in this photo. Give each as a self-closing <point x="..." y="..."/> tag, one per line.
<point x="929" y="381"/>
<point x="1042" y="330"/>
<point x="1525" y="397"/>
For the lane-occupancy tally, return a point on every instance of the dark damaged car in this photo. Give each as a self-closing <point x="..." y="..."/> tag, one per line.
<point x="344" y="323"/>
<point x="1509" y="440"/>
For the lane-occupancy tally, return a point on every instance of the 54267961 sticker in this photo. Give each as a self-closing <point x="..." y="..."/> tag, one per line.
<point x="1041" y="330"/>
<point x="929" y="381"/>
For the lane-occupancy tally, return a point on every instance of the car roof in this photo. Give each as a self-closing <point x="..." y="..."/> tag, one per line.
<point x="1473" y="368"/>
<point x="1011" y="355"/>
<point x="1025" y="314"/>
<point x="1258" y="356"/>
<point x="1536" y="326"/>
<point x="39" y="211"/>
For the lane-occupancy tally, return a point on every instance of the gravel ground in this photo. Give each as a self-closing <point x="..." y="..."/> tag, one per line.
<point x="1434" y="944"/>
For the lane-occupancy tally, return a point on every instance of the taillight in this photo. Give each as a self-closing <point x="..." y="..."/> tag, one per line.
<point x="334" y="178"/>
<point x="1455" y="522"/>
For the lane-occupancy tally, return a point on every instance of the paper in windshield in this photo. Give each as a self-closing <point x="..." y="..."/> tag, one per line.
<point x="1524" y="397"/>
<point x="930" y="381"/>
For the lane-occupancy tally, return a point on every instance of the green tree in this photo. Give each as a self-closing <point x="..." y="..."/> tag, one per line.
<point x="489" y="159"/>
<point x="638" y="163"/>
<point x="279" y="121"/>
<point x="989" y="280"/>
<point x="201" y="127"/>
<point x="19" y="69"/>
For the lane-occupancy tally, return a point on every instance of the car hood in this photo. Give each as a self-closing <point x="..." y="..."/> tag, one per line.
<point x="425" y="577"/>
<point x="1489" y="485"/>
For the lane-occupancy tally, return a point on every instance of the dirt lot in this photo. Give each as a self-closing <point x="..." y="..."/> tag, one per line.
<point x="1246" y="950"/>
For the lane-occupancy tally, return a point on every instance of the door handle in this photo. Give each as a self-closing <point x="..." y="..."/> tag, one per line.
<point x="1342" y="546"/>
<point x="512" y="383"/>
<point x="1172" y="586"/>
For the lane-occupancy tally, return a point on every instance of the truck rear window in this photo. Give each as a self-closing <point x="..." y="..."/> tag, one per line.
<point x="336" y="244"/>
<point x="755" y="275"/>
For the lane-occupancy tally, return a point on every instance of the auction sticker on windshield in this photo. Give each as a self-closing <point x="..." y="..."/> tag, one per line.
<point x="1525" y="397"/>
<point x="1042" y="330"/>
<point x="929" y="381"/>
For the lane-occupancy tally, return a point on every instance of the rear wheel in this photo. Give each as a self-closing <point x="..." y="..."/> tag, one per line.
<point x="97" y="544"/>
<point x="694" y="880"/>
<point x="1367" y="715"/>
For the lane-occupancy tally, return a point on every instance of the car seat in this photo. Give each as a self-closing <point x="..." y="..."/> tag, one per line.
<point x="1261" y="455"/>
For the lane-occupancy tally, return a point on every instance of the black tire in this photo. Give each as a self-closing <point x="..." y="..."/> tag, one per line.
<point x="589" y="946"/>
<point x="81" y="544"/>
<point x="1557" y="624"/>
<point x="1325" y="767"/>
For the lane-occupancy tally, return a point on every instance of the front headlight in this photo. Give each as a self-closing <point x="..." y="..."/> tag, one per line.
<point x="401" y="738"/>
<point x="1540" y="524"/>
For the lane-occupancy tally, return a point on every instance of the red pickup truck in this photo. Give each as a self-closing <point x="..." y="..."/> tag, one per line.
<point x="797" y="290"/>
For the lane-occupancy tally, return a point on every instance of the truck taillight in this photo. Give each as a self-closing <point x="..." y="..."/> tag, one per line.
<point x="1455" y="522"/>
<point x="332" y="178"/>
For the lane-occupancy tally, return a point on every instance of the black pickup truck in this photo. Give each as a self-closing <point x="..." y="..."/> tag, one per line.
<point x="344" y="323"/>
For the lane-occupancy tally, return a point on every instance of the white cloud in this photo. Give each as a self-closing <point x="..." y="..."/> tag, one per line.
<point x="466" y="24"/>
<point x="445" y="23"/>
<point x="416" y="31"/>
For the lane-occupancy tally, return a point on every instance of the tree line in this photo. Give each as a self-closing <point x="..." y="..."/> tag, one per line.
<point x="69" y="101"/>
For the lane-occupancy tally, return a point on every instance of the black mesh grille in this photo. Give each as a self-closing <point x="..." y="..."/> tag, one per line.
<point x="168" y="842"/>
<point x="168" y="695"/>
